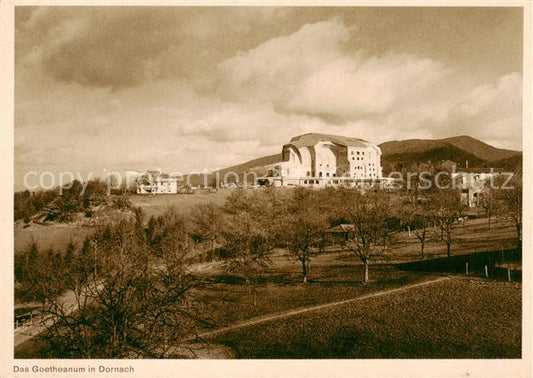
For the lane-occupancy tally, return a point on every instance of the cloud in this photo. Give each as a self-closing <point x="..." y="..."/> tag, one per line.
<point x="118" y="47"/>
<point x="353" y="87"/>
<point x="272" y="70"/>
<point x="312" y="72"/>
<point x="492" y="111"/>
<point x="254" y="123"/>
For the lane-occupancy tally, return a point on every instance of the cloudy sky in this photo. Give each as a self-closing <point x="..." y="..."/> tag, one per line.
<point x="188" y="88"/>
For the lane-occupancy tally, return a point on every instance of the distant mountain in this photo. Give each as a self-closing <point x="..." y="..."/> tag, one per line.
<point x="460" y="149"/>
<point x="259" y="166"/>
<point x="432" y="157"/>
<point x="403" y="154"/>
<point x="481" y="149"/>
<point x="252" y="164"/>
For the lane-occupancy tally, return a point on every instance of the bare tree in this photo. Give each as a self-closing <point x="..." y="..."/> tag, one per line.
<point x="207" y="224"/>
<point x="302" y="227"/>
<point x="511" y="197"/>
<point x="407" y="214"/>
<point x="422" y="221"/>
<point x="134" y="305"/>
<point x="490" y="202"/>
<point x="248" y="236"/>
<point x="417" y="218"/>
<point x="368" y="233"/>
<point x="447" y="208"/>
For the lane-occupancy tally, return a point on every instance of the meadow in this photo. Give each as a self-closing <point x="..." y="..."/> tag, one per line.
<point x="456" y="318"/>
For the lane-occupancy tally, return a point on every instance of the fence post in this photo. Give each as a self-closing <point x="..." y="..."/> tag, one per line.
<point x="486" y="272"/>
<point x="508" y="274"/>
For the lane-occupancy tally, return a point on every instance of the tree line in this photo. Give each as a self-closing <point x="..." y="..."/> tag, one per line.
<point x="60" y="204"/>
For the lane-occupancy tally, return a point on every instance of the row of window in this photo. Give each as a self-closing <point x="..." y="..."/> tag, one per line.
<point x="362" y="167"/>
<point x="320" y="174"/>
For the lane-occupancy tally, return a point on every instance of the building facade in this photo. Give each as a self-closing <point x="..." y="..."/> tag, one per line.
<point x="321" y="159"/>
<point x="156" y="182"/>
<point x="473" y="185"/>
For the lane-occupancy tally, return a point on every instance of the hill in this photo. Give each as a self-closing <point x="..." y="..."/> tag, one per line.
<point x="252" y="164"/>
<point x="480" y="149"/>
<point x="256" y="165"/>
<point x="460" y="149"/>
<point x="431" y="156"/>
<point x="475" y="147"/>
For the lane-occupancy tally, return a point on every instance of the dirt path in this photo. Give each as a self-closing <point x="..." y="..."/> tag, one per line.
<point x="286" y="314"/>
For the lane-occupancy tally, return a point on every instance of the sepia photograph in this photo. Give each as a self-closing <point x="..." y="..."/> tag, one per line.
<point x="269" y="182"/>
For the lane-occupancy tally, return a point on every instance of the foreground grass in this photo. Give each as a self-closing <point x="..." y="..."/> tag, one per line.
<point x="458" y="318"/>
<point x="283" y="291"/>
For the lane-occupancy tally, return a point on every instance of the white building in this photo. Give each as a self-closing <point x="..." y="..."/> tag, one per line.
<point x="156" y="182"/>
<point x="321" y="159"/>
<point x="473" y="185"/>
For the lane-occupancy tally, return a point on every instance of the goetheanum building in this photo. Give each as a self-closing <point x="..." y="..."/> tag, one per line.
<point x="321" y="159"/>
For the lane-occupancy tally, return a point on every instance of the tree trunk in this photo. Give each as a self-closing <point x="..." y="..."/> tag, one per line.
<point x="304" y="270"/>
<point x="422" y="244"/>
<point x="247" y="283"/>
<point x="365" y="271"/>
<point x="255" y="296"/>
<point x="409" y="230"/>
<point x="448" y="247"/>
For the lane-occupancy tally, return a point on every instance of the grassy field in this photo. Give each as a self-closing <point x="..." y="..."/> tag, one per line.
<point x="474" y="236"/>
<point x="280" y="288"/>
<point x="457" y="318"/>
<point x="158" y="204"/>
<point x="55" y="236"/>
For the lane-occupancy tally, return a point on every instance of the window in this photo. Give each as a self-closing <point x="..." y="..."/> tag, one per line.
<point x="352" y="152"/>
<point x="357" y="152"/>
<point x="308" y="173"/>
<point x="363" y="152"/>
<point x="319" y="174"/>
<point x="327" y="174"/>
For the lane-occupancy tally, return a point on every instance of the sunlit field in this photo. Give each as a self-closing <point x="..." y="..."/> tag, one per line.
<point x="456" y="318"/>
